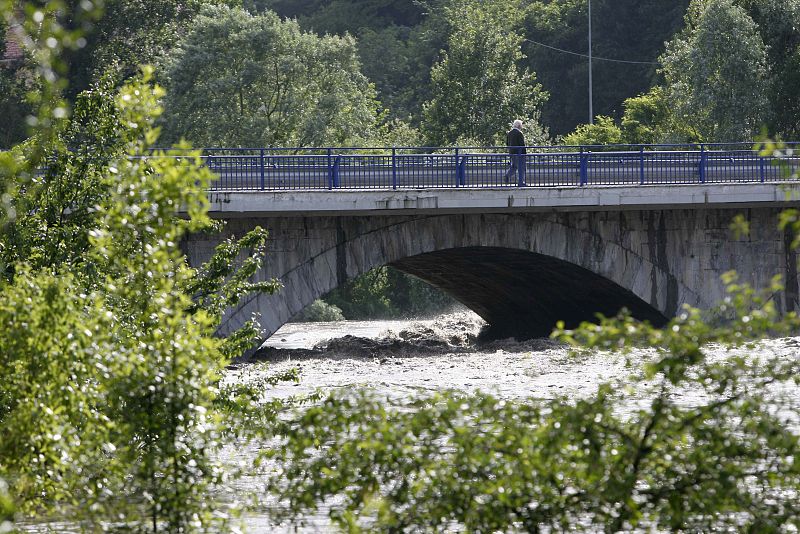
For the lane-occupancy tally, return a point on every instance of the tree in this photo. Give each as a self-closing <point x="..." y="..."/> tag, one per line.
<point x="343" y="16"/>
<point x="386" y="292"/>
<point x="98" y="304"/>
<point x="253" y="80"/>
<point x="364" y="297"/>
<point x="779" y="26"/>
<point x="15" y="82"/>
<point x="116" y="328"/>
<point x="398" y="41"/>
<point x="648" y="119"/>
<point x="716" y="73"/>
<point x="625" y="30"/>
<point x="478" y="89"/>
<point x="390" y="61"/>
<point x="126" y="35"/>
<point x="13" y="106"/>
<point x="604" y="131"/>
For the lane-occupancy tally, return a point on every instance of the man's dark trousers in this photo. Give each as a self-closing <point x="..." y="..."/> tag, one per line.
<point x="517" y="168"/>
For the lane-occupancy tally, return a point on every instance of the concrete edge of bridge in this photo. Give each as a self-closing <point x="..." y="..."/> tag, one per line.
<point x="233" y="204"/>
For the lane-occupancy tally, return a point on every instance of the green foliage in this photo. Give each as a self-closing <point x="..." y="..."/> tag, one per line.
<point x="364" y="297"/>
<point x="393" y="41"/>
<point x="391" y="58"/>
<point x="717" y="73"/>
<point x="321" y="311"/>
<point x="109" y="367"/>
<point x="45" y="42"/>
<point x="58" y="209"/>
<point x="785" y="98"/>
<point x="778" y="24"/>
<point x="604" y="131"/>
<point x="628" y="457"/>
<point x="253" y="80"/>
<point x="729" y="74"/>
<point x="116" y="419"/>
<point x="397" y="133"/>
<point x="477" y="87"/>
<point x="648" y="119"/>
<point x="384" y="293"/>
<point x="622" y="29"/>
<point x="399" y="41"/>
<point x="224" y="279"/>
<point x="129" y="33"/>
<point x="413" y="297"/>
<point x="339" y="17"/>
<point x="13" y="106"/>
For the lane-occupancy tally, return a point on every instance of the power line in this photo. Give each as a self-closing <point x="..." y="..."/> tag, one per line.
<point x="593" y="57"/>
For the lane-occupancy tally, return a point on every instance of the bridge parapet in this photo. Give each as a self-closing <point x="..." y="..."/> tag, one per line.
<point x="293" y="169"/>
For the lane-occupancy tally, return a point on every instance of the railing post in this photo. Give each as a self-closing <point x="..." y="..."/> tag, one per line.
<point x="584" y="167"/>
<point x="262" y="169"/>
<point x="761" y="165"/>
<point x="702" y="169"/>
<point x="394" y="168"/>
<point x="330" y="170"/>
<point x="458" y="174"/>
<point x="336" y="164"/>
<point x="641" y="165"/>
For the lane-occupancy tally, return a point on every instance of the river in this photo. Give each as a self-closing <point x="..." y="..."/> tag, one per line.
<point x="405" y="358"/>
<point x="418" y="356"/>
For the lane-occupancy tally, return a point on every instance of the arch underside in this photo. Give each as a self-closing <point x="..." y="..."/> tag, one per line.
<point x="523" y="294"/>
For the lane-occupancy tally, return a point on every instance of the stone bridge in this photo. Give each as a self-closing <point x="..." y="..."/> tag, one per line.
<point x="522" y="259"/>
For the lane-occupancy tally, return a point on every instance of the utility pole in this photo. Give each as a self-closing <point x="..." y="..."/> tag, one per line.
<point x="591" y="112"/>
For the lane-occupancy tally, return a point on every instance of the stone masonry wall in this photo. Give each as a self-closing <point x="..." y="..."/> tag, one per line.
<point x="665" y="258"/>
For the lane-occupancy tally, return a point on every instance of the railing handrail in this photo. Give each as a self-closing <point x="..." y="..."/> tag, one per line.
<point x="431" y="150"/>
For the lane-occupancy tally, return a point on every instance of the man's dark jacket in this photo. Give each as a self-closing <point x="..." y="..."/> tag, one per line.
<point x="515" y="142"/>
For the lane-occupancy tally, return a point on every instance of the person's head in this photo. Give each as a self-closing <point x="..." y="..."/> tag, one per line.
<point x="517" y="124"/>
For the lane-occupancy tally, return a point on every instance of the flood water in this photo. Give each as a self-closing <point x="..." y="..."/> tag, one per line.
<point x="415" y="357"/>
<point x="398" y="358"/>
<point x="405" y="358"/>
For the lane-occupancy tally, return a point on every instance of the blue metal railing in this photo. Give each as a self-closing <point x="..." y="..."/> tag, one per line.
<point x="277" y="169"/>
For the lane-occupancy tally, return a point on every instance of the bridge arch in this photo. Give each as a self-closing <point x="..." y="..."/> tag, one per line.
<point x="521" y="293"/>
<point x="519" y="271"/>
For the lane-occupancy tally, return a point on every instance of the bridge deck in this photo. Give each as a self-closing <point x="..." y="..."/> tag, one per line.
<point x="425" y="201"/>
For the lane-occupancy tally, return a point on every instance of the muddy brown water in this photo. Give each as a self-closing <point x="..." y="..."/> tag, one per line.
<point x="406" y="358"/>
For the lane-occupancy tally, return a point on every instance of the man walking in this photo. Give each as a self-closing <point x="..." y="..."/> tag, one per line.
<point x="515" y="142"/>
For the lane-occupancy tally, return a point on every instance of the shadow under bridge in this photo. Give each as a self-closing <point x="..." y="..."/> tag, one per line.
<point x="523" y="294"/>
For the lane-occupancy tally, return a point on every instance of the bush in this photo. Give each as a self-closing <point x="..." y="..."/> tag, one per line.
<point x="603" y="132"/>
<point x="320" y="311"/>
